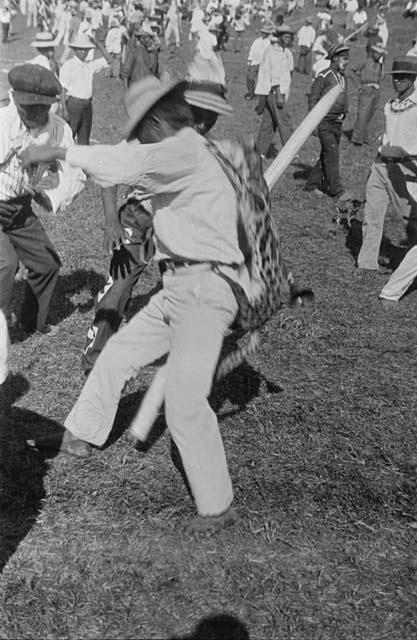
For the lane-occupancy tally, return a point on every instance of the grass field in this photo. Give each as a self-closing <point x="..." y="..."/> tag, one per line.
<point x="319" y="429"/>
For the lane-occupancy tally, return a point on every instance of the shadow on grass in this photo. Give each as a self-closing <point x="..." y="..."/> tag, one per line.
<point x="218" y="627"/>
<point x="390" y="255"/>
<point x="21" y="469"/>
<point x="303" y="171"/>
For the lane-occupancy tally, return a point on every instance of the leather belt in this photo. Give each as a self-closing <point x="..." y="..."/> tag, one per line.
<point x="400" y="160"/>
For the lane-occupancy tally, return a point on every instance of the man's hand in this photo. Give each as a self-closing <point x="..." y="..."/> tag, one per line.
<point x="42" y="199"/>
<point x="41" y="153"/>
<point x="114" y="236"/>
<point x="121" y="263"/>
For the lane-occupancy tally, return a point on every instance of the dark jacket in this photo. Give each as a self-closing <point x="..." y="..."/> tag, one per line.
<point x="323" y="82"/>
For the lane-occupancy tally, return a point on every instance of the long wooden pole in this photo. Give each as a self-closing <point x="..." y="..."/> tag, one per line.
<point x="154" y="397"/>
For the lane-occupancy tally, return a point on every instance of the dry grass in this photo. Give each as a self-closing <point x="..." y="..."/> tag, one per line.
<point x="319" y="432"/>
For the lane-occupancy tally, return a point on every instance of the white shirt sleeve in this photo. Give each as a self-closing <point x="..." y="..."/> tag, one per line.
<point x="263" y="85"/>
<point x="71" y="180"/>
<point x="98" y="64"/>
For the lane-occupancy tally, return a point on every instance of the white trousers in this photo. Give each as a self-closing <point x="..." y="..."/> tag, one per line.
<point x="172" y="29"/>
<point x="187" y="319"/>
<point x="4" y="347"/>
<point x="402" y="278"/>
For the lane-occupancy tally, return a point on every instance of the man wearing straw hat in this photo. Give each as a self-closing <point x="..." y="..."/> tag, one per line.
<point x="195" y="223"/>
<point x="27" y="120"/>
<point x="255" y="55"/>
<point x="368" y="75"/>
<point x="393" y="174"/>
<point x="46" y="46"/>
<point x="77" y="80"/>
<point x="273" y="87"/>
<point x="134" y="231"/>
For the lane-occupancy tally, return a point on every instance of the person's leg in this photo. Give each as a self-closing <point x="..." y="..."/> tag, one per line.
<point x="266" y="130"/>
<point x="86" y="124"/>
<point x="75" y="114"/>
<point x="251" y="78"/>
<point x="364" y="114"/>
<point x="9" y="264"/>
<point x="168" y="33"/>
<point x="201" y="308"/>
<point x="141" y="341"/>
<point x="177" y="36"/>
<point x="376" y="205"/>
<point x="307" y="61"/>
<point x="112" y="302"/>
<point x="402" y="278"/>
<point x="329" y="134"/>
<point x="36" y="252"/>
<point x="402" y="191"/>
<point x="284" y="127"/>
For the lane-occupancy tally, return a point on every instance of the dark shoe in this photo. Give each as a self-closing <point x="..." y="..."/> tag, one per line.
<point x="64" y="442"/>
<point x="212" y="524"/>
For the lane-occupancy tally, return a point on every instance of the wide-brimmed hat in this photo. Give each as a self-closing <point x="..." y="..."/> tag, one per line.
<point x="378" y="48"/>
<point x="44" y="40"/>
<point x="82" y="41"/>
<point x="209" y="96"/>
<point x="33" y="84"/>
<point x="283" y="28"/>
<point x="267" y="28"/>
<point x="406" y="65"/>
<point x="144" y="95"/>
<point x="337" y="50"/>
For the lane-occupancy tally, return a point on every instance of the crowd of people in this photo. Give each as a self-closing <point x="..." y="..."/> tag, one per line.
<point x="187" y="203"/>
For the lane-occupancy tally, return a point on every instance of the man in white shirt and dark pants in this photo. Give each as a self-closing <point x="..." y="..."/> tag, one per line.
<point x="306" y="37"/>
<point x="256" y="53"/>
<point x="76" y="77"/>
<point x="392" y="178"/>
<point x="27" y="121"/>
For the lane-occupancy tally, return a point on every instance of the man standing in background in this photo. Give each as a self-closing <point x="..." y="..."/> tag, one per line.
<point x="256" y="53"/>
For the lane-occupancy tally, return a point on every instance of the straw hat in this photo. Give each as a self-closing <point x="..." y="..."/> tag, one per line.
<point x="209" y="96"/>
<point x="82" y="41"/>
<point x="406" y="65"/>
<point x="142" y="96"/>
<point x="283" y="28"/>
<point x="378" y="48"/>
<point x="44" y="40"/>
<point x="267" y="28"/>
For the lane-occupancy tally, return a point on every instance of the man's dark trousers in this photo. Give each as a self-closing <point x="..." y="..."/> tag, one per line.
<point x="23" y="238"/>
<point x="276" y="127"/>
<point x="80" y="118"/>
<point x="367" y="105"/>
<point x="325" y="174"/>
<point x="251" y="79"/>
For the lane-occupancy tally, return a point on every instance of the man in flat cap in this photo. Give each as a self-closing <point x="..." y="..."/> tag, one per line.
<point x="325" y="176"/>
<point x="26" y="121"/>
<point x="393" y="174"/>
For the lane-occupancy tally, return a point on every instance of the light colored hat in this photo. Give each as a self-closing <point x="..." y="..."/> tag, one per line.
<point x="379" y="49"/>
<point x="267" y="28"/>
<point x="283" y="28"/>
<point x="209" y="96"/>
<point x="44" y="40"/>
<point x="142" y="96"/>
<point x="337" y="50"/>
<point x="82" y="41"/>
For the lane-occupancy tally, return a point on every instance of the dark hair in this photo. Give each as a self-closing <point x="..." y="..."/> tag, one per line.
<point x="171" y="109"/>
<point x="204" y="119"/>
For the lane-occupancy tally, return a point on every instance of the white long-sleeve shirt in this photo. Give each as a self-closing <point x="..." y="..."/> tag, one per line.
<point x="15" y="137"/>
<point x="306" y="36"/>
<point x="257" y="50"/>
<point x="195" y="208"/>
<point x="275" y="70"/>
<point x="76" y="76"/>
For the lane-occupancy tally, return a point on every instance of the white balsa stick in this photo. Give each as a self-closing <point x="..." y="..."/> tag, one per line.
<point x="154" y="397"/>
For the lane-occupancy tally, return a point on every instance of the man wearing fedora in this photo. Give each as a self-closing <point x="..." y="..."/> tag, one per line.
<point x="273" y="87"/>
<point x="195" y="223"/>
<point x="27" y="120"/>
<point x="368" y="75"/>
<point x="77" y="81"/>
<point x="325" y="175"/>
<point x="393" y="174"/>
<point x="256" y="53"/>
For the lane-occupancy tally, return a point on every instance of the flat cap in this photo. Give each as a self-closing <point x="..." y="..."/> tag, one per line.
<point x="33" y="84"/>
